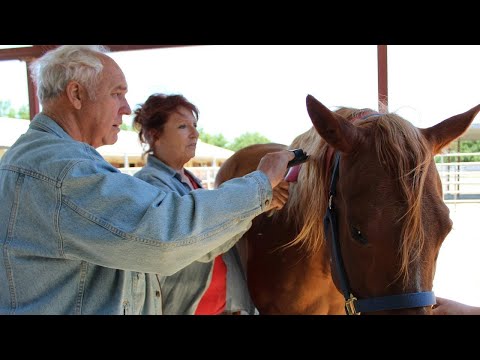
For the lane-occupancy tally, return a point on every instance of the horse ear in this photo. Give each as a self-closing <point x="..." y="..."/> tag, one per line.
<point x="333" y="128"/>
<point x="444" y="133"/>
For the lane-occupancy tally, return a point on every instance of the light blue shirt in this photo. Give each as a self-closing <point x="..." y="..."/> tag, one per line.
<point x="182" y="291"/>
<point x="73" y="228"/>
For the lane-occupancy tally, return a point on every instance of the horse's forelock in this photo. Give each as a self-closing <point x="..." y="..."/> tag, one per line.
<point x="400" y="146"/>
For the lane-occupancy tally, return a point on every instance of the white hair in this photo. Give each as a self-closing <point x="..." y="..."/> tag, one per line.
<point x="55" y="69"/>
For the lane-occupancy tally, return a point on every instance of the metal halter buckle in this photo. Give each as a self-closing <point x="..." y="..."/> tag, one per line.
<point x="350" y="305"/>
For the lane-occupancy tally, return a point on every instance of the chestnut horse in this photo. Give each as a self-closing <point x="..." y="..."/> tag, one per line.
<point x="364" y="222"/>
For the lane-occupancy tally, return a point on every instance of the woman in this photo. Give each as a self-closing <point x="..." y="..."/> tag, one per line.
<point x="216" y="284"/>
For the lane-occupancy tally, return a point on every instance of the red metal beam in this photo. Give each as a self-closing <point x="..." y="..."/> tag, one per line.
<point x="114" y="48"/>
<point x="32" y="94"/>
<point x="382" y="78"/>
<point x="35" y="51"/>
<point x="25" y="53"/>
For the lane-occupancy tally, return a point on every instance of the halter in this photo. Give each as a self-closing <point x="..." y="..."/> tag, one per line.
<point x="354" y="306"/>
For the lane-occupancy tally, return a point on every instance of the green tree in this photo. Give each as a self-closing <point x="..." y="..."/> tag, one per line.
<point x="12" y="113"/>
<point x="247" y="139"/>
<point x="7" y="110"/>
<point x="470" y="147"/>
<point x="24" y="112"/>
<point x="126" y="127"/>
<point x="217" y="139"/>
<point x="466" y="146"/>
<point x="5" y="107"/>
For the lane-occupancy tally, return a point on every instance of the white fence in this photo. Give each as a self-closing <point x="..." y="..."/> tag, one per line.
<point x="461" y="180"/>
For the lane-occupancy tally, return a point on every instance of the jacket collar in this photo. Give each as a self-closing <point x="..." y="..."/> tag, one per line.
<point x="45" y="123"/>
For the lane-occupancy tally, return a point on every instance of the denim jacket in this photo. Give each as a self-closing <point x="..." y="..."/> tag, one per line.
<point x="73" y="228"/>
<point x="182" y="291"/>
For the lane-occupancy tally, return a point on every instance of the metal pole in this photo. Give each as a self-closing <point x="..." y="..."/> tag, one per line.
<point x="382" y="78"/>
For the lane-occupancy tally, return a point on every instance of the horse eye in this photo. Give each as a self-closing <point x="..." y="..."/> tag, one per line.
<point x="357" y="235"/>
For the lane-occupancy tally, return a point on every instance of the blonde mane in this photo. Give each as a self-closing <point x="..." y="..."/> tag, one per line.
<point x="399" y="145"/>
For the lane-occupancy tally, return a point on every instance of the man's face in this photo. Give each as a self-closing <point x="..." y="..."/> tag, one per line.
<point x="103" y="116"/>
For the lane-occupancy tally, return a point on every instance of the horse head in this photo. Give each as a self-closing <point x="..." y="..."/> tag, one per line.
<point x="385" y="218"/>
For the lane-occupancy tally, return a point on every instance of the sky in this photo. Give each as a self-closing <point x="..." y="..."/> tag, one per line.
<point x="262" y="88"/>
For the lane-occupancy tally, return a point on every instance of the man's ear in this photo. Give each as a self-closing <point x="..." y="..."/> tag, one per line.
<point x="75" y="94"/>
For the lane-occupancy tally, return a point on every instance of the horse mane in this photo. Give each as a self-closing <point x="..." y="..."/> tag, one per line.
<point x="406" y="155"/>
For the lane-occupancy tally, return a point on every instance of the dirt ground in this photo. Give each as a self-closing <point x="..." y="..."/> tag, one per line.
<point x="458" y="274"/>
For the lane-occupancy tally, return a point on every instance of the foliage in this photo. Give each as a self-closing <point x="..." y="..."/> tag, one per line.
<point x="23" y="112"/>
<point x="470" y="147"/>
<point x="466" y="146"/>
<point x="237" y="144"/>
<point x="7" y="110"/>
<point x="247" y="139"/>
<point x="126" y="127"/>
<point x="217" y="139"/>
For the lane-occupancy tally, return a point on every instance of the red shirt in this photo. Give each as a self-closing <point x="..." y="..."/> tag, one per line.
<point x="213" y="301"/>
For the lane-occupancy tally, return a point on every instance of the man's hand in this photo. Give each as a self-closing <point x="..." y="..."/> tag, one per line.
<point x="280" y="195"/>
<point x="274" y="165"/>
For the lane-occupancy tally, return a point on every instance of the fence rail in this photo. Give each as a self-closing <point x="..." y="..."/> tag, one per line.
<point x="460" y="180"/>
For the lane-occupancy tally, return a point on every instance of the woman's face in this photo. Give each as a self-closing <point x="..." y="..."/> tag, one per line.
<point x="176" y="145"/>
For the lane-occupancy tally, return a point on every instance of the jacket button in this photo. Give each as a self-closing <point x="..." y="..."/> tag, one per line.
<point x="157" y="293"/>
